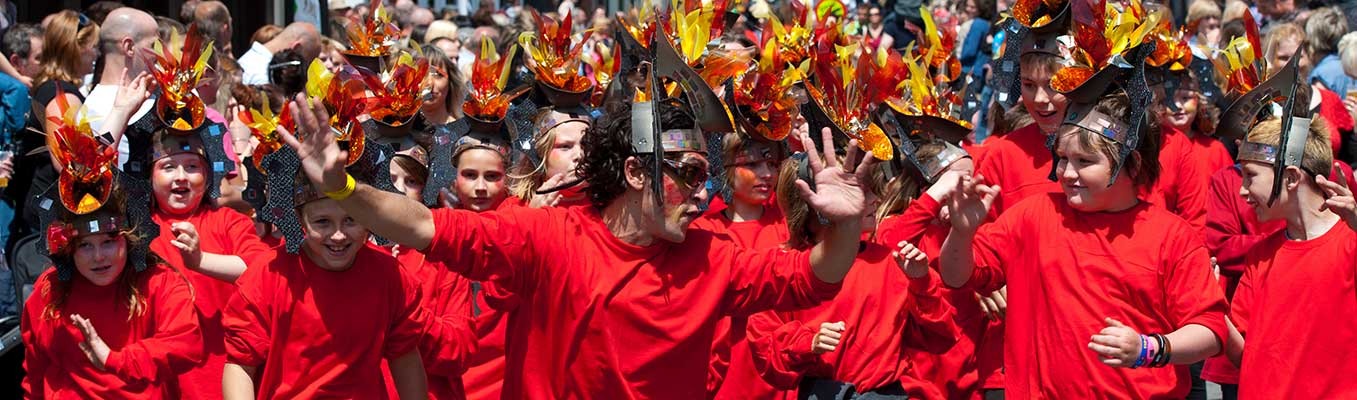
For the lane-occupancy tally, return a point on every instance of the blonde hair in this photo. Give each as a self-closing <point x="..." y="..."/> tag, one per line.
<point x="1234" y="9"/>
<point x="1318" y="158"/>
<point x="1280" y="34"/>
<point x="1347" y="53"/>
<point x="1202" y="9"/>
<point x="441" y="29"/>
<point x="63" y="42"/>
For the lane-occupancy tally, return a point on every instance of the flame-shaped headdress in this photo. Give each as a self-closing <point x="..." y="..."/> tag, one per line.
<point x="849" y="85"/>
<point x="396" y="92"/>
<point x="92" y="196"/>
<point x="373" y="35"/>
<point x="937" y="50"/>
<point x="489" y="76"/>
<point x="1104" y="32"/>
<point x="556" y="62"/>
<point x="924" y="112"/>
<point x="177" y="67"/>
<point x="1035" y="26"/>
<point x="763" y="99"/>
<point x="346" y="98"/>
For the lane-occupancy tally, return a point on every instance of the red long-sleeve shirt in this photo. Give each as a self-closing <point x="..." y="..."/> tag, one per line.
<point x="316" y="333"/>
<point x="146" y="351"/>
<point x="449" y="339"/>
<point x="489" y="307"/>
<point x="221" y="231"/>
<point x="731" y="373"/>
<point x="600" y="315"/>
<point x="1067" y="270"/>
<point x="887" y="315"/>
<point x="956" y="373"/>
<point x="1291" y="307"/>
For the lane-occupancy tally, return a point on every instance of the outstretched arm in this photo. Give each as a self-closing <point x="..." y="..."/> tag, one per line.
<point x="389" y="215"/>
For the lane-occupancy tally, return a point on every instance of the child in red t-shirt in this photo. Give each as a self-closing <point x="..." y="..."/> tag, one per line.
<point x="1089" y="269"/>
<point x="1312" y="258"/>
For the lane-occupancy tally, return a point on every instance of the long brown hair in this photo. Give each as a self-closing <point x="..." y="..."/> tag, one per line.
<point x="62" y="43"/>
<point x="58" y="290"/>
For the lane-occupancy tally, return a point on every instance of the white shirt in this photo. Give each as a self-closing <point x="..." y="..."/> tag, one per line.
<point x="254" y="65"/>
<point x="100" y="102"/>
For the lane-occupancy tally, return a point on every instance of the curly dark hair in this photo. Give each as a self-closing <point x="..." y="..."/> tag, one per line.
<point x="607" y="146"/>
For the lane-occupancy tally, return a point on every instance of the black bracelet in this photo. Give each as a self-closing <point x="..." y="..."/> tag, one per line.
<point x="1168" y="350"/>
<point x="1162" y="357"/>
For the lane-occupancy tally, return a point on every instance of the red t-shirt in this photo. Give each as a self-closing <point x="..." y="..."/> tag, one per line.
<point x="957" y="372"/>
<point x="317" y="333"/>
<point x="449" y="339"/>
<point x="599" y="315"/>
<point x="221" y="231"/>
<point x="1181" y="187"/>
<point x="147" y="351"/>
<point x="731" y="373"/>
<point x="1291" y="307"/>
<point x="1020" y="163"/>
<point x="887" y="316"/>
<point x="1068" y="270"/>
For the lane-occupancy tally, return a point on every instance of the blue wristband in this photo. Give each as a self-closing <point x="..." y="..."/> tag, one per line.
<point x="1144" y="352"/>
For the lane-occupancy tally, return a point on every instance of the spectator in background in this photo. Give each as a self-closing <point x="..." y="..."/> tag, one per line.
<point x="186" y="10"/>
<point x="1347" y="53"/>
<point x="1234" y="10"/>
<point x="126" y="34"/>
<point x="287" y="71"/>
<point x="874" y="28"/>
<point x="165" y="25"/>
<point x="1322" y="32"/>
<point x="99" y="10"/>
<point x="214" y="22"/>
<point x="330" y="54"/>
<point x="265" y="33"/>
<point x="23" y="47"/>
<point x="299" y="36"/>
<point x="1203" y="23"/>
<point x="1273" y="12"/>
<point x="976" y="41"/>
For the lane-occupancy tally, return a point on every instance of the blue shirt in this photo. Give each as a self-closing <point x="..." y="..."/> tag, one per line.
<point x="1329" y="71"/>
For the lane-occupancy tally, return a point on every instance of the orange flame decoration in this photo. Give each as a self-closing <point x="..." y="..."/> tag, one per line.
<point x="87" y="164"/>
<point x="1241" y="59"/>
<point x="345" y="97"/>
<point x="1102" y="31"/>
<point x="640" y="23"/>
<point x="555" y="61"/>
<point x="264" y="127"/>
<point x="937" y="49"/>
<point x="795" y="36"/>
<point x="1037" y="13"/>
<point x="396" y="92"/>
<point x="178" y="66"/>
<point x="693" y="26"/>
<point x="766" y="89"/>
<point x="373" y="36"/>
<point x="1171" y="48"/>
<point x="603" y="64"/>
<point x="489" y="75"/>
<point x="849" y="89"/>
<point x="922" y="96"/>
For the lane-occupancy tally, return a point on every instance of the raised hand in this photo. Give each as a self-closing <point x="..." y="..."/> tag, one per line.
<point x="827" y="339"/>
<point x="970" y="203"/>
<point x="186" y="240"/>
<point x="839" y="194"/>
<point x="94" y="348"/>
<point x="1118" y="345"/>
<point x="912" y="261"/>
<point x="132" y="91"/>
<point x="322" y="159"/>
<point x="947" y="183"/>
<point x="1338" y="197"/>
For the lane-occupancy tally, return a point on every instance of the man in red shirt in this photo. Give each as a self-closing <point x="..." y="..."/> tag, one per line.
<point x="620" y="297"/>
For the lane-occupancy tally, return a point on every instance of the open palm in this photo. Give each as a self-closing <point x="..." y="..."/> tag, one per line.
<point x="322" y="159"/>
<point x="838" y="194"/>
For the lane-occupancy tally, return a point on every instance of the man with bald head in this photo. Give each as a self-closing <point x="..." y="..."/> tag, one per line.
<point x="122" y="37"/>
<point x="300" y="36"/>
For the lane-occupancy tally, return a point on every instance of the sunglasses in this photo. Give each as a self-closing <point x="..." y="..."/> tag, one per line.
<point x="690" y="175"/>
<point x="84" y="21"/>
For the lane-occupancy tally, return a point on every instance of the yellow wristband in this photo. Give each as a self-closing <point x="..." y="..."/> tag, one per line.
<point x="341" y="194"/>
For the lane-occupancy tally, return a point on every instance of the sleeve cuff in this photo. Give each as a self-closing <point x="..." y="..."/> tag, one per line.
<point x="115" y="363"/>
<point x="823" y="290"/>
<point x="929" y="204"/>
<point x="926" y="285"/>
